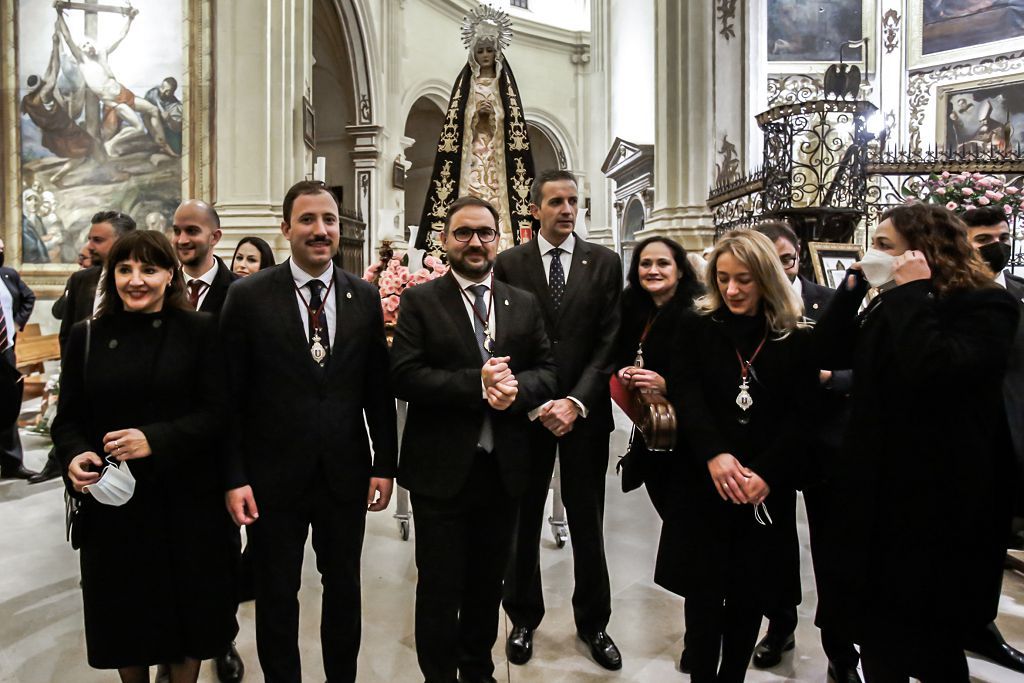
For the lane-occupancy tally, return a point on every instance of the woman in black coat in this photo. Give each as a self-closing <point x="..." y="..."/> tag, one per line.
<point x="741" y="373"/>
<point x="925" y="467"/>
<point x="662" y="286"/>
<point x="140" y="386"/>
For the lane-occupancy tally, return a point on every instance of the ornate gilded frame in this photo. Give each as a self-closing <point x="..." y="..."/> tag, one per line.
<point x="914" y="25"/>
<point x="819" y="250"/>
<point x="869" y="30"/>
<point x="197" y="164"/>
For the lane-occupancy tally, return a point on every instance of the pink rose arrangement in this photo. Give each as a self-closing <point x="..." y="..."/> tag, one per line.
<point x="392" y="278"/>
<point x="960" y="192"/>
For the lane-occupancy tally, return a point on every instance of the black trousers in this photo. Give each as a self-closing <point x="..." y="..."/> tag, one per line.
<point x="462" y="548"/>
<point x="277" y="542"/>
<point x="839" y="650"/>
<point x="11" y="454"/>
<point x="716" y="625"/>
<point x="583" y="462"/>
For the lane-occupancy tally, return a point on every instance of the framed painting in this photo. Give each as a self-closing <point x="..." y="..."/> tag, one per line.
<point x="942" y="31"/>
<point x="800" y="32"/>
<point x="831" y="259"/>
<point x="105" y="107"/>
<point x="982" y="113"/>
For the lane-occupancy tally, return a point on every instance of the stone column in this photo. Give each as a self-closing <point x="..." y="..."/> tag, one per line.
<point x="684" y="122"/>
<point x="264" y="66"/>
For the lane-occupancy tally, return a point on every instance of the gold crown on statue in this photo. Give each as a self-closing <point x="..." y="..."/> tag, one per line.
<point x="487" y="24"/>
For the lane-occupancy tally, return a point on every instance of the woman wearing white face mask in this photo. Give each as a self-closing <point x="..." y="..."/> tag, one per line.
<point x="140" y="390"/>
<point x="740" y="372"/>
<point x="922" y="479"/>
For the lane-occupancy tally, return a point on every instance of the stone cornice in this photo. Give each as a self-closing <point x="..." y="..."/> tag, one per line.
<point x="532" y="33"/>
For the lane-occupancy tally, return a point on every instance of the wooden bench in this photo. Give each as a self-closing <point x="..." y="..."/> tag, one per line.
<point x="32" y="349"/>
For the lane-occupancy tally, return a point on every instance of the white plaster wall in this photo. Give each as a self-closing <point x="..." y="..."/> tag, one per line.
<point x="631" y="69"/>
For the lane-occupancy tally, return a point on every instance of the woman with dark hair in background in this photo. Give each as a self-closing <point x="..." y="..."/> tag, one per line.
<point x="925" y="473"/>
<point x="741" y="370"/>
<point x="251" y="255"/>
<point x="136" y="431"/>
<point x="661" y="287"/>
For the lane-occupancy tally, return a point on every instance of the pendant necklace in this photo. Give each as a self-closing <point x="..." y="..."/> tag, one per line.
<point x="318" y="351"/>
<point x="639" y="361"/>
<point x="744" y="400"/>
<point x="485" y="321"/>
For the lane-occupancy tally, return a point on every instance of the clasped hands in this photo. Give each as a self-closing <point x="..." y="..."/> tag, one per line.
<point x="500" y="386"/>
<point x="735" y="482"/>
<point x="123" y="444"/>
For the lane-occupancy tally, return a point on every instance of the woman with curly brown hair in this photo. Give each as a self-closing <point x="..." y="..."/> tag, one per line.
<point x="922" y="482"/>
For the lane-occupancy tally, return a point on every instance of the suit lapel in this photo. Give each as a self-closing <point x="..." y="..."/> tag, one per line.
<point x="578" y="273"/>
<point x="284" y="301"/>
<point x="454" y="305"/>
<point x="342" y="307"/>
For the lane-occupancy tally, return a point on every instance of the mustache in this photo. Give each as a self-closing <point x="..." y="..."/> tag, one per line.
<point x="318" y="240"/>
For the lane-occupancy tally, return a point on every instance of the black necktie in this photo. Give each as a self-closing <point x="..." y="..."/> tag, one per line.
<point x="556" y="277"/>
<point x="486" y="438"/>
<point x="318" y="332"/>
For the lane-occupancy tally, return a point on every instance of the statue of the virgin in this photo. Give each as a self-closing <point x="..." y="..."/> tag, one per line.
<point x="484" y="150"/>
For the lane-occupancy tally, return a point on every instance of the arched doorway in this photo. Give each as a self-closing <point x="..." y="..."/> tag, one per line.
<point x="547" y="153"/>
<point x="632" y="222"/>
<point x="424" y="126"/>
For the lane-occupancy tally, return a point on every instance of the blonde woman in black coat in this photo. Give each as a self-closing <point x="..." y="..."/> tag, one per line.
<point x="925" y="475"/>
<point x="742" y="372"/>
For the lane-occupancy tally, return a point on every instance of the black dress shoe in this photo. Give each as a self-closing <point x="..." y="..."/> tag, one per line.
<point x="769" y="651"/>
<point x="990" y="644"/>
<point x="489" y="679"/>
<point x="603" y="650"/>
<point x="519" y="646"/>
<point x="230" y="668"/>
<point x="684" y="662"/>
<point x="19" y="472"/>
<point x="50" y="471"/>
<point x="838" y="673"/>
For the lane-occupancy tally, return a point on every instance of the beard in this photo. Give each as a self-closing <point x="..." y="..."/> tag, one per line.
<point x="460" y="264"/>
<point x="199" y="255"/>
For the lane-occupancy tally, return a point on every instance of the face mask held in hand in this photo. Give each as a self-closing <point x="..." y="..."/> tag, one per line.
<point x="115" y="487"/>
<point x="877" y="267"/>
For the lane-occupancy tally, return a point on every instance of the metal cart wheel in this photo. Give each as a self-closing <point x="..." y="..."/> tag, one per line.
<point x="557" y="520"/>
<point x="560" y="530"/>
<point x="403" y="529"/>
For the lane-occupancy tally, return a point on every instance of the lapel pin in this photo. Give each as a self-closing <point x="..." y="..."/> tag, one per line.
<point x="348" y="295"/>
<point x="815" y="306"/>
<point x="506" y="302"/>
<point x="584" y="262"/>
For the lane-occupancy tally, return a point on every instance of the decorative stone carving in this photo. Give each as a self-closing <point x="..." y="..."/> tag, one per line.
<point x="727" y="17"/>
<point x="921" y="86"/>
<point x="364" y="109"/>
<point x="795" y="88"/>
<point x="728" y="170"/>
<point x="891" y="28"/>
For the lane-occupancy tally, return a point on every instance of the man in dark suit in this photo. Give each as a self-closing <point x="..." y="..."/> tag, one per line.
<point x="830" y="424"/>
<point x="578" y="285"/>
<point x="307" y="358"/>
<point x="16" y="302"/>
<point x="989" y="233"/>
<point x="196" y="233"/>
<point x="471" y="358"/>
<point x="81" y="298"/>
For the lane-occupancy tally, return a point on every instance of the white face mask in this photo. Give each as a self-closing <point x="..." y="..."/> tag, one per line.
<point x="115" y="487"/>
<point x="877" y="267"/>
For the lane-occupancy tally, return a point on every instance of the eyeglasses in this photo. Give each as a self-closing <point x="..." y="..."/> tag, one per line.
<point x="788" y="260"/>
<point x="466" y="234"/>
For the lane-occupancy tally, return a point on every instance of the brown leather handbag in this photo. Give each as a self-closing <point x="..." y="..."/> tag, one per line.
<point x="657" y="421"/>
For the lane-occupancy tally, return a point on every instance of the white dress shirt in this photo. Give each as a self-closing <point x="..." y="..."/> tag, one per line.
<point x="566" y="258"/>
<point x="206" y="278"/>
<point x="798" y="287"/>
<point x="301" y="279"/>
<point x="1001" y="279"/>
<point x="7" y="303"/>
<point x="470" y="298"/>
<point x="98" y="296"/>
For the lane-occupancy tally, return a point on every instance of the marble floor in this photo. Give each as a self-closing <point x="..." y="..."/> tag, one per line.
<point x="41" y="637"/>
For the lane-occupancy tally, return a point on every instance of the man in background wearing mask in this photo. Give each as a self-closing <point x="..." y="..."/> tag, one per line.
<point x="989" y="233"/>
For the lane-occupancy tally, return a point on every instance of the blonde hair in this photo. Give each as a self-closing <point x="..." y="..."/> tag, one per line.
<point x="782" y="307"/>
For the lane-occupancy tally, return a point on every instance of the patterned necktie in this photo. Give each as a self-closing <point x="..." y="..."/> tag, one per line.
<point x="195" y="290"/>
<point x="486" y="438"/>
<point x="480" y="305"/>
<point x="556" y="277"/>
<point x="318" y="333"/>
<point x="4" y="339"/>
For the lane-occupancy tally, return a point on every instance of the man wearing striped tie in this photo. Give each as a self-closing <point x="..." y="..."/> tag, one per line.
<point x="196" y="233"/>
<point x="17" y="301"/>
